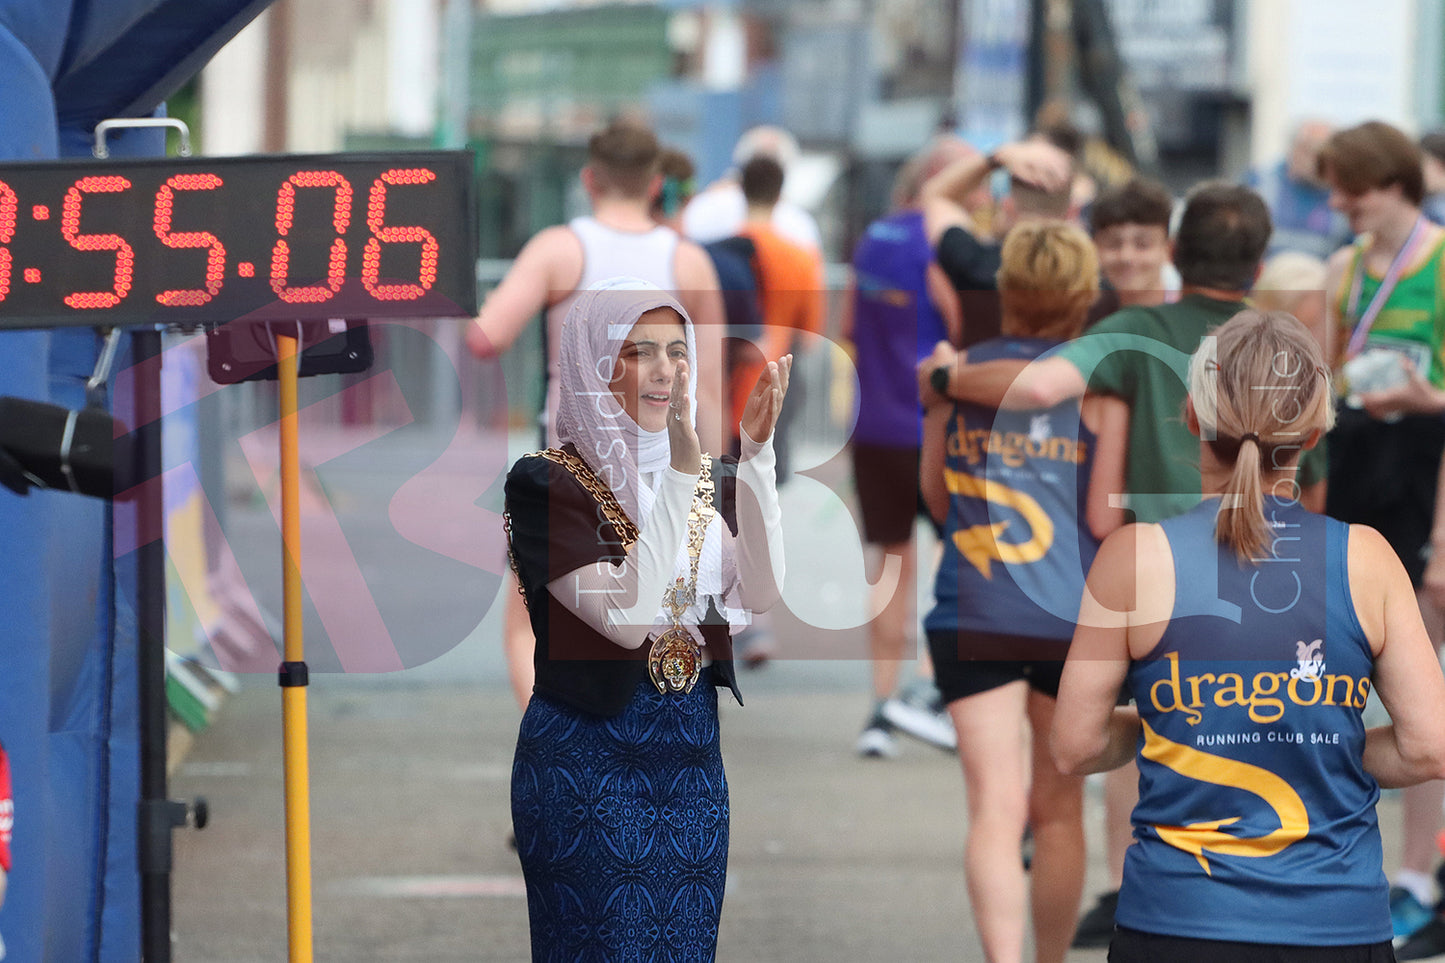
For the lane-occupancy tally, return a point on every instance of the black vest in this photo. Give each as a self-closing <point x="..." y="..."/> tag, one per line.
<point x="574" y="663"/>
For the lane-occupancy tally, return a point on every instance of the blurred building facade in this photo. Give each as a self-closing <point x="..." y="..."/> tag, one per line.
<point x="1215" y="84"/>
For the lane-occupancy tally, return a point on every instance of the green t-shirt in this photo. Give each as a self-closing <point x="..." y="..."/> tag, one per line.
<point x="1412" y="321"/>
<point x="1142" y="356"/>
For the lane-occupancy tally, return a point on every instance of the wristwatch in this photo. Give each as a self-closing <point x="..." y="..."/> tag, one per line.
<point x="939" y="379"/>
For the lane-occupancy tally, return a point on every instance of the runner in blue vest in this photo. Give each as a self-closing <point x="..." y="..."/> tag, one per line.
<point x="1250" y="632"/>
<point x="1011" y="489"/>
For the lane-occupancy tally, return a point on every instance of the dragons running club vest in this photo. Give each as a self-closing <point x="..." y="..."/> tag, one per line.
<point x="1016" y="546"/>
<point x="1256" y="820"/>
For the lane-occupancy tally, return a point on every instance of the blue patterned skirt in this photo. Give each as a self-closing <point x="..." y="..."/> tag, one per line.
<point x="622" y="828"/>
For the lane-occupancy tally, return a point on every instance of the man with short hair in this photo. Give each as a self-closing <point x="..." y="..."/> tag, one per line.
<point x="619" y="238"/>
<point x="1218" y="250"/>
<point x="790" y="290"/>
<point x="719" y="211"/>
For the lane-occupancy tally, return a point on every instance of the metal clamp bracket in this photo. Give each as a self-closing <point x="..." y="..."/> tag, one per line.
<point x="96" y="388"/>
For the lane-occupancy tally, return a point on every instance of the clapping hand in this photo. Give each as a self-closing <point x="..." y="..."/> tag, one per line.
<point x="765" y="403"/>
<point x="681" y="434"/>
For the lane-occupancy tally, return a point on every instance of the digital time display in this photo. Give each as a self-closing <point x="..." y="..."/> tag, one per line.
<point x="213" y="240"/>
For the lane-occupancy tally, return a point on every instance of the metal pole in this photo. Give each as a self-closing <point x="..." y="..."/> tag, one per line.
<point x="293" y="674"/>
<point x="156" y="816"/>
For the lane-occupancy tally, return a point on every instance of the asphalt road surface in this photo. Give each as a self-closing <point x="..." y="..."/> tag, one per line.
<point x="833" y="858"/>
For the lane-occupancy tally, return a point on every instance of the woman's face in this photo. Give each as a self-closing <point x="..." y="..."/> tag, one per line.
<point x="642" y="378"/>
<point x="1132" y="256"/>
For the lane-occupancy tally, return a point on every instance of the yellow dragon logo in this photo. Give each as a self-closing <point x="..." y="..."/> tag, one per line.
<point x="979" y="544"/>
<point x="1200" y="838"/>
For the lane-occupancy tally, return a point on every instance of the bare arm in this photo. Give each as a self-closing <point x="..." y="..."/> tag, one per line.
<point x="1407" y="671"/>
<point x="1433" y="581"/>
<point x="1128" y="599"/>
<point x="931" y="482"/>
<point x="941" y="196"/>
<point x="1091" y="734"/>
<point x="945" y="299"/>
<point x="548" y="267"/>
<point x="1108" y="417"/>
<point x="1011" y="385"/>
<point x="1033" y="161"/>
<point x="700" y="295"/>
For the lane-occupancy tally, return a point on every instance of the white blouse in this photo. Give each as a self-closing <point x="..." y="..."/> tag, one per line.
<point x="744" y="574"/>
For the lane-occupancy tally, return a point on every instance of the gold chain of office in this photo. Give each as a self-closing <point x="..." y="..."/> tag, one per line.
<point x="674" y="661"/>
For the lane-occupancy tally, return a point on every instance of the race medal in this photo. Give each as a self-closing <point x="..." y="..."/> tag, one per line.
<point x="674" y="661"/>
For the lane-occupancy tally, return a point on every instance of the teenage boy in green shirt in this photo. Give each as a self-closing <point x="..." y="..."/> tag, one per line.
<point x="1140" y="354"/>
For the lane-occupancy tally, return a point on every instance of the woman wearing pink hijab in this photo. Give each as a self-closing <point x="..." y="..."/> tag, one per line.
<point x="636" y="561"/>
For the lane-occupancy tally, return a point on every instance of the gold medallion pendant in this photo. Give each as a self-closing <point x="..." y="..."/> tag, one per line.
<point x="674" y="661"/>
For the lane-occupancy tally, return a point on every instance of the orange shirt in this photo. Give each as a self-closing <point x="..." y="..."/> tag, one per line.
<point x="792" y="295"/>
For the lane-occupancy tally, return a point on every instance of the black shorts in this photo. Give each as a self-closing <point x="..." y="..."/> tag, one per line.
<point x="888" y="496"/>
<point x="1384" y="474"/>
<point x="966" y="663"/>
<point x="1132" y="946"/>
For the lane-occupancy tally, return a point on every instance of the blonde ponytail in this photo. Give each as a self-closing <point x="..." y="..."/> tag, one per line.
<point x="1260" y="389"/>
<point x="1241" y="522"/>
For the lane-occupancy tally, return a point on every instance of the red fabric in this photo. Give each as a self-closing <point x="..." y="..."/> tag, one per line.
<point x="7" y="811"/>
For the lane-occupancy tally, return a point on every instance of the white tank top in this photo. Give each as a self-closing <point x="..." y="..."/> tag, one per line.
<point x="607" y="253"/>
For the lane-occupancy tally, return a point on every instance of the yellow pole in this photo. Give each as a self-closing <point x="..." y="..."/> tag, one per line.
<point x="293" y="670"/>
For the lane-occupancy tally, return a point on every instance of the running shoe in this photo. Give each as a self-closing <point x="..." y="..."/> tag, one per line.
<point x="1407" y="914"/>
<point x="1096" y="927"/>
<point x="1427" y="943"/>
<point x="923" y="717"/>
<point x="876" y="741"/>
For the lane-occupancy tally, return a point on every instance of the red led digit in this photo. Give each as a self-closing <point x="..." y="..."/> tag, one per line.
<point x="9" y="204"/>
<point x="285" y="216"/>
<point x="371" y="257"/>
<point x="215" y="260"/>
<point x="70" y="229"/>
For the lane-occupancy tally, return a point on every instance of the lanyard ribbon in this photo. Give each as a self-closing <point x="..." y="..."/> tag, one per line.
<point x="1382" y="294"/>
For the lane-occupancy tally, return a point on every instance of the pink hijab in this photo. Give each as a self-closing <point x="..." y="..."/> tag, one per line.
<point x="588" y="416"/>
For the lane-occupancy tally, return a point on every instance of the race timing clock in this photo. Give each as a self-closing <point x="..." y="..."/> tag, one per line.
<point x="214" y="240"/>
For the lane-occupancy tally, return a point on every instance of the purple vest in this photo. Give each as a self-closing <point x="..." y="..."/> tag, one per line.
<point x="895" y="326"/>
